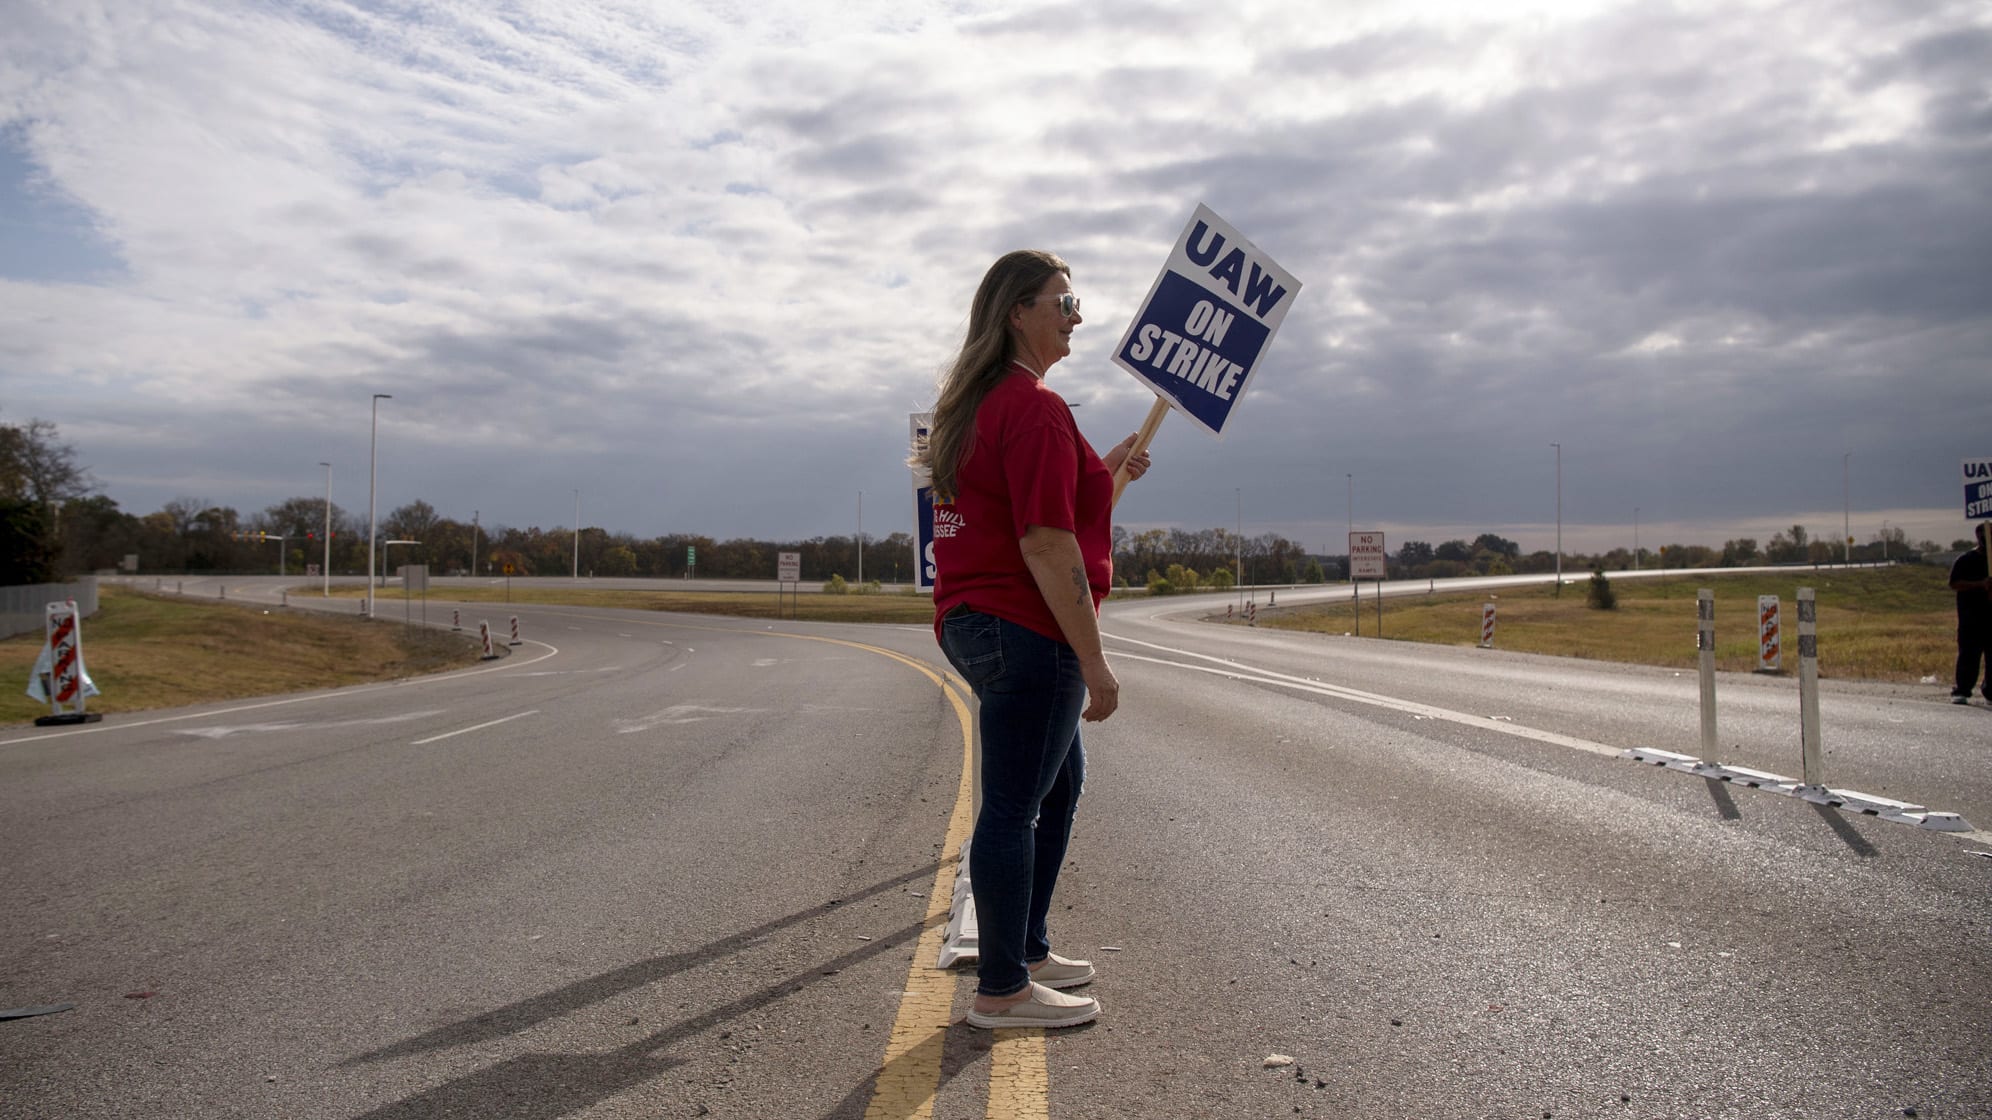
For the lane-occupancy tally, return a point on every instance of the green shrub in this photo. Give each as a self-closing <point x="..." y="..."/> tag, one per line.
<point x="836" y="586"/>
<point x="1158" y="585"/>
<point x="1219" y="579"/>
<point x="869" y="587"/>
<point x="1601" y="596"/>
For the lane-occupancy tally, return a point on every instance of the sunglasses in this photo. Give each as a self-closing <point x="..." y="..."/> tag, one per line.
<point x="1068" y="304"/>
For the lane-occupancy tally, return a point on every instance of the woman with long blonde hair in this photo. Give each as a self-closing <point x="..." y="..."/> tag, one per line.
<point x="1023" y="557"/>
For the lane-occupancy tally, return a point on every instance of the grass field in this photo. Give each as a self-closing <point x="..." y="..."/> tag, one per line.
<point x="1880" y="624"/>
<point x="151" y="652"/>
<point x="812" y="607"/>
<point x="1888" y="624"/>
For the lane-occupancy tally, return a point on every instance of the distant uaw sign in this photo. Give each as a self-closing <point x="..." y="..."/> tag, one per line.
<point x="1205" y="324"/>
<point x="924" y="570"/>
<point x="1977" y="489"/>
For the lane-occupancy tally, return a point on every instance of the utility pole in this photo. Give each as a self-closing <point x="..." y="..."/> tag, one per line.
<point x="1559" y="519"/>
<point x="373" y="469"/>
<point x="327" y="573"/>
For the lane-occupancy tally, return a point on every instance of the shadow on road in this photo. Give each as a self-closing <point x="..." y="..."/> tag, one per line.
<point x="544" y="1086"/>
<point x="1847" y="832"/>
<point x="1718" y="791"/>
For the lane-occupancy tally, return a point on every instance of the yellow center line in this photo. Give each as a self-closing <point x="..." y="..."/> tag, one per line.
<point x="910" y="1075"/>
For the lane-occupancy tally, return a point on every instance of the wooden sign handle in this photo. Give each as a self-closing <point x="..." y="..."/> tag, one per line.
<point x="1142" y="439"/>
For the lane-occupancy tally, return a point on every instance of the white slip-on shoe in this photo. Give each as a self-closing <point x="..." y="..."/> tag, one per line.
<point x="1042" y="1008"/>
<point x="1057" y="972"/>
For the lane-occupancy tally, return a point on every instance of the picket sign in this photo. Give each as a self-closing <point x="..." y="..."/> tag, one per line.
<point x="1199" y="335"/>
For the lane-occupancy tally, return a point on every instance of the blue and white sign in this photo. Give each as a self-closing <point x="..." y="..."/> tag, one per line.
<point x="923" y="507"/>
<point x="1205" y="324"/>
<point x="1977" y="489"/>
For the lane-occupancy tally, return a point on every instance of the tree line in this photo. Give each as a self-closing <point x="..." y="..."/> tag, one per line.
<point x="54" y="524"/>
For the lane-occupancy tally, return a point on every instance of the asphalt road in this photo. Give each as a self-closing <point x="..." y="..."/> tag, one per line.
<point x="661" y="866"/>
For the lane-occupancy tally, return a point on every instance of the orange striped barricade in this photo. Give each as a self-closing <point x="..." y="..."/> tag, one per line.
<point x="58" y="676"/>
<point x="1770" y="638"/>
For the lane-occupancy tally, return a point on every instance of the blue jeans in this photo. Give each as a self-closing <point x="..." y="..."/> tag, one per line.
<point x="1033" y="768"/>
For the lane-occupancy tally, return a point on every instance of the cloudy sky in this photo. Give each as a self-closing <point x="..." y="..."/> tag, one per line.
<point x="698" y="260"/>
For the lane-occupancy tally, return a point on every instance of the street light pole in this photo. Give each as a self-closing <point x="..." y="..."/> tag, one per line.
<point x="473" y="544"/>
<point x="1559" y="519"/>
<point x="577" y="534"/>
<point x="327" y="573"/>
<point x="373" y="466"/>
<point x="861" y="538"/>
<point x="1238" y="546"/>
<point x="1352" y="521"/>
<point x="1847" y="509"/>
<point x="1635" y="538"/>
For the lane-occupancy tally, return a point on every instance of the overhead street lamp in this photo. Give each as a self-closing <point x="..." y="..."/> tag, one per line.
<point x="373" y="447"/>
<point x="383" y="557"/>
<point x="326" y="571"/>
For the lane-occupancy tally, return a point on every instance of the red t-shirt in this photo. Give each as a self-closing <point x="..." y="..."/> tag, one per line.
<point x="1029" y="466"/>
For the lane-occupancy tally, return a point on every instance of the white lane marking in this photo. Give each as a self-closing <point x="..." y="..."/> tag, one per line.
<point x="571" y="672"/>
<point x="1504" y="725"/>
<point x="355" y="690"/>
<point x="223" y="732"/>
<point x="676" y="713"/>
<point x="765" y="662"/>
<point x="479" y="727"/>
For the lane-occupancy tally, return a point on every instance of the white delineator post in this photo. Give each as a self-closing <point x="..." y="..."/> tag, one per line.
<point x="515" y="631"/>
<point x="1770" y="635"/>
<point x="1705" y="642"/>
<point x="1808" y="686"/>
<point x="455" y="623"/>
<point x="1487" y="626"/>
<point x="484" y="635"/>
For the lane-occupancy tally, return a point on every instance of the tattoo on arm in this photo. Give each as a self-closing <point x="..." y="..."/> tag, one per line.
<point x="1079" y="581"/>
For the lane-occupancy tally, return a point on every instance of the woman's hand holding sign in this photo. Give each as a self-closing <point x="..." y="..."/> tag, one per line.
<point x="1123" y="453"/>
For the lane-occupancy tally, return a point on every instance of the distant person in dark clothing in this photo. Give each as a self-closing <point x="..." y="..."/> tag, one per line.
<point x="1968" y="578"/>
